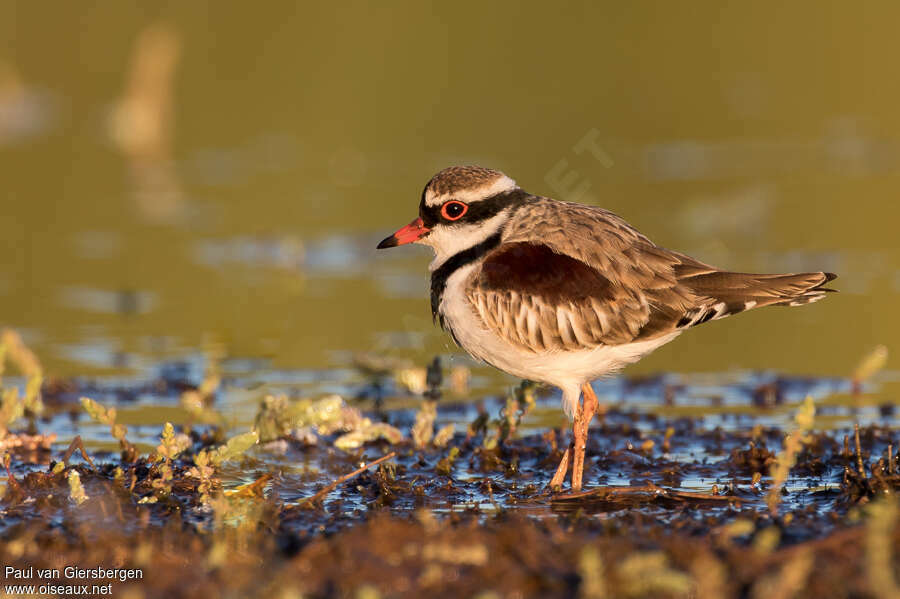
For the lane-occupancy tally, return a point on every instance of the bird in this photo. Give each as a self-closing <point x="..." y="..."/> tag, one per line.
<point x="564" y="293"/>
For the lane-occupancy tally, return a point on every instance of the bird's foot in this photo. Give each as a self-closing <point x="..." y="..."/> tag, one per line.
<point x="584" y="413"/>
<point x="583" y="419"/>
<point x="559" y="478"/>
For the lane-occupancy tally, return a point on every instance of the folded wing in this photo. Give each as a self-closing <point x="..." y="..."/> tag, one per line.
<point x="541" y="299"/>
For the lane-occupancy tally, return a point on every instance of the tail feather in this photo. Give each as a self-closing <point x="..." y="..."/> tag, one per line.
<point x="728" y="293"/>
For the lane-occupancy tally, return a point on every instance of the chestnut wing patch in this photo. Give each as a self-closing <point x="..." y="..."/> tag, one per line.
<point x="537" y="270"/>
<point x="541" y="300"/>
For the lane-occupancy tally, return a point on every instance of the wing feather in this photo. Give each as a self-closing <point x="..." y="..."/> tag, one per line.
<point x="593" y="280"/>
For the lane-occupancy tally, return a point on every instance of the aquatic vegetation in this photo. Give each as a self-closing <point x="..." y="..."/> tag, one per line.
<point x="445" y="466"/>
<point x="423" y="428"/>
<point x="76" y="490"/>
<point x="592" y="571"/>
<point x="444" y="435"/>
<point x="367" y="432"/>
<point x="364" y="502"/>
<point x="788" y="580"/>
<point x="412" y="379"/>
<point x="306" y="419"/>
<point x="14" y="405"/>
<point x="171" y="445"/>
<point x="787" y="458"/>
<point x="207" y="461"/>
<point x="648" y="574"/>
<point x="881" y="523"/>
<point x="197" y="402"/>
<point x="11" y="409"/>
<point x="235" y="447"/>
<point x="118" y="431"/>
<point x="869" y="366"/>
<point x="518" y="403"/>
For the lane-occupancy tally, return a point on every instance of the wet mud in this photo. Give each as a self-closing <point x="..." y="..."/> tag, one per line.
<point x="327" y="497"/>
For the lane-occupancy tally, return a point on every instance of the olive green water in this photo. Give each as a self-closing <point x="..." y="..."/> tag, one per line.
<point x="176" y="174"/>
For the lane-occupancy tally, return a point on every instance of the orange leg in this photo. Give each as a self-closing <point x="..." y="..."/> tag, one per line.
<point x="563" y="468"/>
<point x="583" y="418"/>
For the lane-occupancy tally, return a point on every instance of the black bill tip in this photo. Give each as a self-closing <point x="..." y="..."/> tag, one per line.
<point x="387" y="242"/>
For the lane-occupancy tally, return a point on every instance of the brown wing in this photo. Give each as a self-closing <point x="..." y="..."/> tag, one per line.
<point x="539" y="299"/>
<point x="593" y="280"/>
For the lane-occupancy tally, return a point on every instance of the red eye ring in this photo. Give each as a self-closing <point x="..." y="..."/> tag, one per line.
<point x="454" y="210"/>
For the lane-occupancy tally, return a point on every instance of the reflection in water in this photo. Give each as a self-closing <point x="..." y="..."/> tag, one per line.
<point x="102" y="353"/>
<point x="300" y="146"/>
<point x="266" y="154"/>
<point x="24" y="112"/>
<point x="339" y="255"/>
<point x="141" y="124"/>
<point x="739" y="212"/>
<point x="844" y="148"/>
<point x="123" y="301"/>
<point x="267" y="252"/>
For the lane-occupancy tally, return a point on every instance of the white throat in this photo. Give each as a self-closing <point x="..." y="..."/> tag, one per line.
<point x="449" y="240"/>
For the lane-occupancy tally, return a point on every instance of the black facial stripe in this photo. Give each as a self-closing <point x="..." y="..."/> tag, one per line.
<point x="455" y="262"/>
<point x="478" y="211"/>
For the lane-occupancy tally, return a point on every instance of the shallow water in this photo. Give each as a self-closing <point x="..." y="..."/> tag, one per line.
<point x="200" y="188"/>
<point x="167" y="192"/>
<point x="164" y="188"/>
<point x="710" y="416"/>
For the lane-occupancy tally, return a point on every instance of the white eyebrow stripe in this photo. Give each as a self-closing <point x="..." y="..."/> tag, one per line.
<point x="499" y="185"/>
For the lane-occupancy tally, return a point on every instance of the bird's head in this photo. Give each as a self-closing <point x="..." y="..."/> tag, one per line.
<point x="461" y="207"/>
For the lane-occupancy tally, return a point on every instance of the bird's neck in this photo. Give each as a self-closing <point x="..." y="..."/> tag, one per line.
<point x="458" y="260"/>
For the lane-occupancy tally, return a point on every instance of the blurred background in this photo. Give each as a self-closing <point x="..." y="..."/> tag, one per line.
<point x="180" y="174"/>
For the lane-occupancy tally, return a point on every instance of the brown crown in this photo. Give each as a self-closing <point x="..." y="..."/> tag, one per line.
<point x="456" y="178"/>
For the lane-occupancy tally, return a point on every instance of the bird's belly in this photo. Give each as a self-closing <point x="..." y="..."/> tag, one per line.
<point x="562" y="368"/>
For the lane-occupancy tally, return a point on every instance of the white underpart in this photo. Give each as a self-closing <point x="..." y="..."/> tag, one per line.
<point x="568" y="370"/>
<point x="448" y="239"/>
<point x="474" y="194"/>
<point x="719" y="309"/>
<point x="810" y="297"/>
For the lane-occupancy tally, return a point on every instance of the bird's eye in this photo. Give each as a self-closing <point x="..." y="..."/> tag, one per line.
<point x="454" y="210"/>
